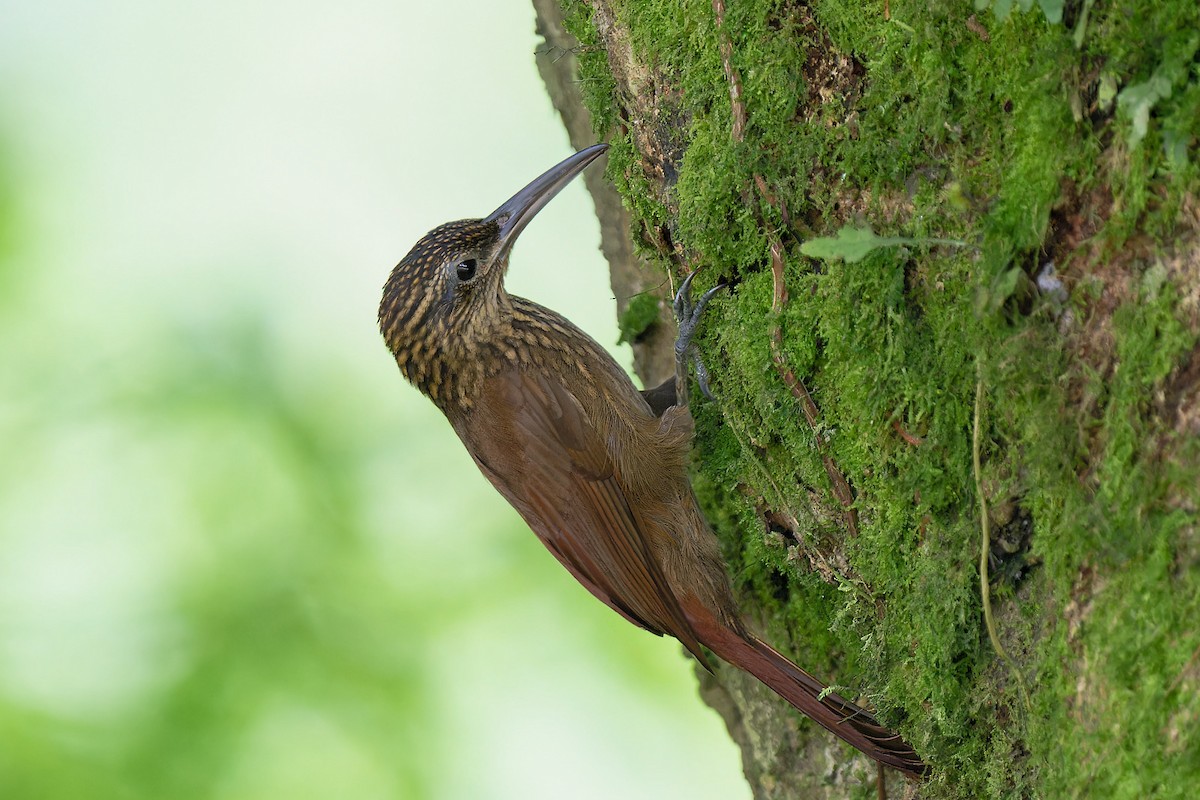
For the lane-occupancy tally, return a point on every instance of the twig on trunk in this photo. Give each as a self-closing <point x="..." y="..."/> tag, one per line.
<point x="841" y="487"/>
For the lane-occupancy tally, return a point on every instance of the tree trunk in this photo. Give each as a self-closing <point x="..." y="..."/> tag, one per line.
<point x="966" y="298"/>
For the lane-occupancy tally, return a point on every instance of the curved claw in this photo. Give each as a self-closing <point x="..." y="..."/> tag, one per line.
<point x="683" y="297"/>
<point x="698" y="309"/>
<point x="688" y="314"/>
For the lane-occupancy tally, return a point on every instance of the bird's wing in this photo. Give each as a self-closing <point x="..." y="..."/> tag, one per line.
<point x="551" y="461"/>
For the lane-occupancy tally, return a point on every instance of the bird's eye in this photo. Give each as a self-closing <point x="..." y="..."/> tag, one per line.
<point x="466" y="269"/>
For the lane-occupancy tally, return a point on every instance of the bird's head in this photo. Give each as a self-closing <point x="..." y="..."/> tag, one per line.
<point x="448" y="292"/>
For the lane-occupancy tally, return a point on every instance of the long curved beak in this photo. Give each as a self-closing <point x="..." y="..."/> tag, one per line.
<point x="518" y="210"/>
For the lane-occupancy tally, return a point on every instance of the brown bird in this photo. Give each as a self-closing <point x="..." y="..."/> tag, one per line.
<point x="595" y="467"/>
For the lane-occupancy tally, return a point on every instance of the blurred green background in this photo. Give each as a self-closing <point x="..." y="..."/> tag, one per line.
<point x="239" y="557"/>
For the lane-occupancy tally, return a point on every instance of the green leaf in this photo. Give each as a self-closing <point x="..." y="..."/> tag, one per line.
<point x="851" y="244"/>
<point x="989" y="298"/>
<point x="1006" y="284"/>
<point x="1139" y="98"/>
<point x="1053" y="9"/>
<point x="1107" y="91"/>
<point x="854" y="244"/>
<point x="1175" y="147"/>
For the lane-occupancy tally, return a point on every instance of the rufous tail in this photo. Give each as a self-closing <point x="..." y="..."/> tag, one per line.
<point x="835" y="713"/>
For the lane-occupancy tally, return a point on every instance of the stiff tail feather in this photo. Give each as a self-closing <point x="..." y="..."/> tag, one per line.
<point x="833" y="712"/>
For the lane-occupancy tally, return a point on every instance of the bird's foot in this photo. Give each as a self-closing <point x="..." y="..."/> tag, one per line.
<point x="687" y="315"/>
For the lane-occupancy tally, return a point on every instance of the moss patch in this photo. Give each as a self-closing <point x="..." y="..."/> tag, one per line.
<point x="935" y="123"/>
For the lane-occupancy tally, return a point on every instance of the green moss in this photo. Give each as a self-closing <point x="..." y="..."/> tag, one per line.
<point x="640" y="314"/>
<point x="594" y="76"/>
<point x="1010" y="143"/>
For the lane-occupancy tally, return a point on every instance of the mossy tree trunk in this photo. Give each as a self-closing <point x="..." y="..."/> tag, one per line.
<point x="1006" y="333"/>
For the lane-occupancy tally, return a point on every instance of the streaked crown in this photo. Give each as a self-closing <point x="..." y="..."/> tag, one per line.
<point x="445" y="302"/>
<point x="440" y="298"/>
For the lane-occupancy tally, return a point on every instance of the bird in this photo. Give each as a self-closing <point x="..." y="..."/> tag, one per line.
<point x="597" y="468"/>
